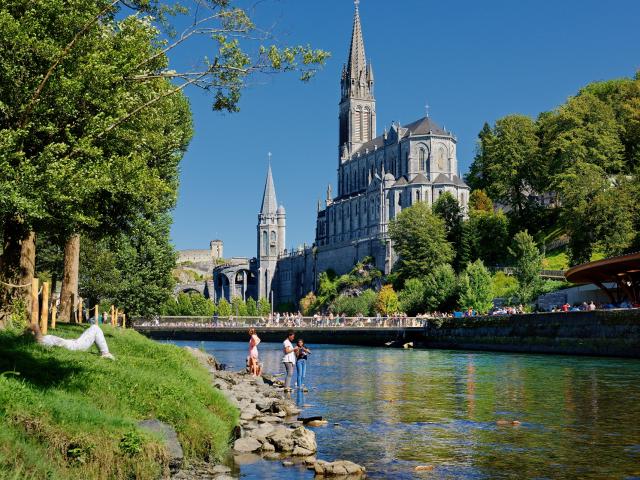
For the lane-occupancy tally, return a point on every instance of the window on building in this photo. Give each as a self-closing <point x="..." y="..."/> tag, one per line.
<point x="265" y="243"/>
<point x="418" y="196"/>
<point x="422" y="161"/>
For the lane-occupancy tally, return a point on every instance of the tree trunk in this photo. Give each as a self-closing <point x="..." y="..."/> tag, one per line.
<point x="69" y="291"/>
<point x="17" y="266"/>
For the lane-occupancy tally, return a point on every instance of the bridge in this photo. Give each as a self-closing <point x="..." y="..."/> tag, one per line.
<point x="203" y="287"/>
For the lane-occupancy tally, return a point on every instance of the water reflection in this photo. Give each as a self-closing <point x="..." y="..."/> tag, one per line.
<point x="392" y="410"/>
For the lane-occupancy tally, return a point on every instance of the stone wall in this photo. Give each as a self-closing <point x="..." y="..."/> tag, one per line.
<point x="611" y="333"/>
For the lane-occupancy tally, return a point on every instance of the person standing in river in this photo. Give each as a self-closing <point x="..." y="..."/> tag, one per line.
<point x="254" y="363"/>
<point x="289" y="359"/>
<point x="302" y="353"/>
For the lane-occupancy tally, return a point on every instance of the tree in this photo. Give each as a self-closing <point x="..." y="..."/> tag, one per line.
<point x="224" y="308"/>
<point x="307" y="303"/>
<point x="419" y="238"/>
<point x="448" y="209"/>
<point x="352" y="306"/>
<point x="387" y="301"/>
<point x="264" y="307"/>
<point x="252" y="307"/>
<point x="527" y="266"/>
<point x="88" y="101"/>
<point x="440" y="288"/>
<point x="479" y="200"/>
<point x="513" y="161"/>
<point x="479" y="176"/>
<point x="598" y="211"/>
<point x="238" y="307"/>
<point x="476" y="289"/>
<point x="411" y="297"/>
<point x="487" y="236"/>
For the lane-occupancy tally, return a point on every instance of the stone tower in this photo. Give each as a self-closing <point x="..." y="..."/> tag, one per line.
<point x="271" y="237"/>
<point x="357" y="104"/>
<point x="215" y="246"/>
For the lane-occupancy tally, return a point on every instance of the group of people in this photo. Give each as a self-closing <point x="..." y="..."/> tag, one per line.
<point x="294" y="358"/>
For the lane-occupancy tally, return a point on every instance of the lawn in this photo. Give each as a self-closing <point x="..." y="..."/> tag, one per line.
<point x="73" y="415"/>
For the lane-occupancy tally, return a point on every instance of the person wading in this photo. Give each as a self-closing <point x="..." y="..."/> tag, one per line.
<point x="289" y="359"/>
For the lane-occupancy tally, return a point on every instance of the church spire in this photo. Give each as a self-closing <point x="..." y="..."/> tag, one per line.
<point x="269" y="202"/>
<point x="357" y="62"/>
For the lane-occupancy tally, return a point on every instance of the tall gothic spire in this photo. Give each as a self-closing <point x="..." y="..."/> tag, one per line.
<point x="357" y="75"/>
<point x="357" y="62"/>
<point x="269" y="202"/>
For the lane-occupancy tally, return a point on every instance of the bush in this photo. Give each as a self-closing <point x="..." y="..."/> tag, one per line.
<point x="504" y="286"/>
<point x="387" y="301"/>
<point x="353" y="306"/>
<point x="224" y="308"/>
<point x="264" y="307"/>
<point x="307" y="304"/>
<point x="252" y="307"/>
<point x="238" y="307"/>
<point x="411" y="297"/>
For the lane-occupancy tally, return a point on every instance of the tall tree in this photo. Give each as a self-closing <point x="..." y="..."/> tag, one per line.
<point x="420" y="239"/>
<point x="476" y="288"/>
<point x="527" y="266"/>
<point x="479" y="175"/>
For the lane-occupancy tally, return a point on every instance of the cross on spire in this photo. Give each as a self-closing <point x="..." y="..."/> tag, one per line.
<point x="426" y="109"/>
<point x="356" y="3"/>
<point x="269" y="155"/>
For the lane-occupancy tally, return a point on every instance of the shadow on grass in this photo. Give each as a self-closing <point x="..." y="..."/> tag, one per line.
<point x="20" y="353"/>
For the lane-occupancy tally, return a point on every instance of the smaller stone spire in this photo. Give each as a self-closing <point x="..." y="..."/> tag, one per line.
<point x="269" y="201"/>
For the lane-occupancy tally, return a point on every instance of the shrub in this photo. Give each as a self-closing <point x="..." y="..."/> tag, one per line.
<point x="387" y="301"/>
<point x="224" y="308"/>
<point x="440" y="289"/>
<point x="307" y="304"/>
<point x="411" y="297"/>
<point x="476" y="289"/>
<point x="252" y="307"/>
<point x="362" y="304"/>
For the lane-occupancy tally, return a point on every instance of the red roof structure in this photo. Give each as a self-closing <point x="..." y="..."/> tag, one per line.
<point x="623" y="270"/>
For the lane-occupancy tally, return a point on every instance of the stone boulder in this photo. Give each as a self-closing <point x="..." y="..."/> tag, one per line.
<point x="281" y="439"/>
<point x="305" y="439"/>
<point x="168" y="433"/>
<point x="246" y="445"/>
<point x="339" y="468"/>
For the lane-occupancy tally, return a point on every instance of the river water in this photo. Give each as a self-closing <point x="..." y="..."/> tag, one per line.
<point x="392" y="410"/>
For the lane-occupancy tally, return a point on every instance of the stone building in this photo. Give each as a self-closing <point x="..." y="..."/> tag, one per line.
<point x="378" y="176"/>
<point x="202" y="256"/>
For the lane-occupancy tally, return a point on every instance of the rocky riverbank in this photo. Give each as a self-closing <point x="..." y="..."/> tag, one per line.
<point x="269" y="427"/>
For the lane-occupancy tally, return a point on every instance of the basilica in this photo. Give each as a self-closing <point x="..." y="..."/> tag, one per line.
<point x="378" y="176"/>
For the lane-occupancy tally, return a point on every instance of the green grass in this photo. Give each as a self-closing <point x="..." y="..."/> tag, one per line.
<point x="559" y="260"/>
<point x="72" y="415"/>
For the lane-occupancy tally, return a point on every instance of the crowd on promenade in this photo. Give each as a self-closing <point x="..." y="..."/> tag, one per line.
<point x="329" y="320"/>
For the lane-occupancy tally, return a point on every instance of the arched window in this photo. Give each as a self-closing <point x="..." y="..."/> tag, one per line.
<point x="418" y="196"/>
<point x="273" y="243"/>
<point x="422" y="161"/>
<point x="265" y="243"/>
<point x="346" y="188"/>
<point x="366" y="124"/>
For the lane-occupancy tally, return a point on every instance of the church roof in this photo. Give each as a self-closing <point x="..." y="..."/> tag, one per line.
<point x="269" y="202"/>
<point x="425" y="126"/>
<point x="443" y="180"/>
<point x="459" y="182"/>
<point x="419" y="179"/>
<point x="401" y="181"/>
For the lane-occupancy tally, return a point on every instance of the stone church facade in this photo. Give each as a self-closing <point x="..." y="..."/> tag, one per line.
<point x="378" y="176"/>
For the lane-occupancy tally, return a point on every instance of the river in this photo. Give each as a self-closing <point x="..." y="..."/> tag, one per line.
<point x="392" y="410"/>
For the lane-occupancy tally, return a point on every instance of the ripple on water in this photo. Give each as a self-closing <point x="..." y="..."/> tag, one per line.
<point x="398" y="409"/>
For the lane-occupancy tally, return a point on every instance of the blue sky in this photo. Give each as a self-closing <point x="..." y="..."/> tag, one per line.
<point x="470" y="61"/>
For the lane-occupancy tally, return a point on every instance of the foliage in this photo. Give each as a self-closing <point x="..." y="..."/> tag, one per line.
<point x="419" y="238"/>
<point x="479" y="200"/>
<point x="527" y="266"/>
<point x="238" y="307"/>
<point x="252" y="307"/>
<point x="447" y="208"/>
<point x="224" y="308"/>
<point x="131" y="270"/>
<point x="307" y="303"/>
<point x="286" y="307"/>
<point x="487" y="236"/>
<point x="599" y="211"/>
<point x="73" y="415"/>
<point x="264" y="307"/>
<point x="189" y="304"/>
<point x="363" y="304"/>
<point x="440" y="289"/>
<point x="476" y="289"/>
<point x="411" y="297"/>
<point x="387" y="301"/>
<point x="504" y="286"/>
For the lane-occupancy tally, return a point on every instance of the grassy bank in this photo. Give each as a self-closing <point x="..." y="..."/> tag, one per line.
<point x="73" y="415"/>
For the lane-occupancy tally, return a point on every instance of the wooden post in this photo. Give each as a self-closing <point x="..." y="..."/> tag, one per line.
<point x="96" y="314"/>
<point x="116" y="318"/>
<point x="111" y="317"/>
<point x="80" y="314"/>
<point x="35" y="284"/>
<point x="44" y="314"/>
<point x="124" y="320"/>
<point x="54" y="314"/>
